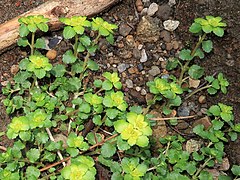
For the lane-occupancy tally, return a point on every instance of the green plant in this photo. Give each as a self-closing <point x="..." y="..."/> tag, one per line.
<point x="31" y="24"/>
<point x="59" y="116"/>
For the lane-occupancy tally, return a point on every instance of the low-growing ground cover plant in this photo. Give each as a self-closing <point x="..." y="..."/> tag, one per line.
<point x="63" y="126"/>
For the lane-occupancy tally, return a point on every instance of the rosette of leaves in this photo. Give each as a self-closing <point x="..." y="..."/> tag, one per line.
<point x="112" y="80"/>
<point x="115" y="99"/>
<point x="163" y="87"/>
<point x="81" y="167"/>
<point x="135" y="129"/>
<point x="32" y="24"/>
<point x="104" y="28"/>
<point x="18" y="125"/>
<point x="38" y="64"/>
<point x="208" y="25"/>
<point x="133" y="169"/>
<point x="216" y="84"/>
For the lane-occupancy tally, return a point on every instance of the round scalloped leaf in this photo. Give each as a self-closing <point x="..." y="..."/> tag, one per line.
<point x="207" y="46"/>
<point x="108" y="150"/>
<point x="218" y="31"/>
<point x="68" y="32"/>
<point x="120" y="125"/>
<point x="69" y="57"/>
<point x="195" y="28"/>
<point x="196" y="71"/>
<point x="142" y="141"/>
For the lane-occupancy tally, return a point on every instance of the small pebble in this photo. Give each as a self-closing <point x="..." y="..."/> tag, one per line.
<point x="170" y="25"/>
<point x="139" y="5"/>
<point x="166" y="35"/>
<point x="138" y="88"/>
<point x="140" y="67"/>
<point x="143" y="92"/>
<point x="14" y="69"/>
<point x="129" y="83"/>
<point x="183" y="111"/>
<point x="121" y="67"/>
<point x="153" y="8"/>
<point x="164" y="12"/>
<point x="202" y="99"/>
<point x="124" y="29"/>
<point x="171" y="3"/>
<point x="51" y="54"/>
<point x="154" y="71"/>
<point x="144" y="57"/>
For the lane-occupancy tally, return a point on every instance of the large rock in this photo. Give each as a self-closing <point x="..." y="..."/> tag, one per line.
<point x="148" y="29"/>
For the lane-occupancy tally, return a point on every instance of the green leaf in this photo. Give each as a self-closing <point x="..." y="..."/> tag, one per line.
<point x="199" y="53"/>
<point x="235" y="170"/>
<point x="112" y="113"/>
<point x="172" y="64"/>
<point x="204" y="175"/>
<point x="23" y="42"/>
<point x="58" y="70"/>
<point x="211" y="90"/>
<point x="195" y="28"/>
<point x="80" y="47"/>
<point x="40" y="73"/>
<point x="43" y="27"/>
<point x="32" y="173"/>
<point x="77" y="67"/>
<point x="122" y="145"/>
<point x="32" y="28"/>
<point x="85" y="40"/>
<point x="108" y="150"/>
<point x="185" y="54"/>
<point x="207" y="28"/>
<point x="142" y="141"/>
<point x="92" y="65"/>
<point x="33" y="155"/>
<point x="97" y="120"/>
<point x="72" y="151"/>
<point x="85" y="107"/>
<point x="110" y="39"/>
<point x="69" y="57"/>
<point x="207" y="46"/>
<point x="217" y="125"/>
<point x="23" y="30"/>
<point x="40" y="43"/>
<point x="218" y="31"/>
<point x="215" y="110"/>
<point x="68" y="32"/>
<point x="93" y="137"/>
<point x="107" y="85"/>
<point x="97" y="83"/>
<point x="197" y="157"/>
<point x="196" y="71"/>
<point x="233" y="136"/>
<point x="120" y="125"/>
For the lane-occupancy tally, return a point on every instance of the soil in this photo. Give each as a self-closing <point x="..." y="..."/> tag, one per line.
<point x="225" y="58"/>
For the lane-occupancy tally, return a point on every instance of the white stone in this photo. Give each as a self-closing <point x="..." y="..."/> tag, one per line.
<point x="143" y="56"/>
<point x="138" y="88"/>
<point x="170" y="25"/>
<point x="153" y="8"/>
<point x="171" y="3"/>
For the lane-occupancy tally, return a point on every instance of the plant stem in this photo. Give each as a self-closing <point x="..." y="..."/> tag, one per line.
<point x="95" y="41"/>
<point x="32" y="43"/>
<point x="201" y="168"/>
<point x="76" y="45"/>
<point x="185" y="67"/>
<point x="52" y="139"/>
<point x="149" y="106"/>
<point x="197" y="90"/>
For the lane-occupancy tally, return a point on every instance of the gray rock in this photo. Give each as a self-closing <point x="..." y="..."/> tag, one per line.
<point x="129" y="83"/>
<point x="140" y="67"/>
<point x="166" y="36"/>
<point x="154" y="71"/>
<point x="153" y="8"/>
<point x="144" y="57"/>
<point x="124" y="29"/>
<point x="121" y="67"/>
<point x="164" y="12"/>
<point x="136" y="53"/>
<point x="183" y="111"/>
<point x="143" y="92"/>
